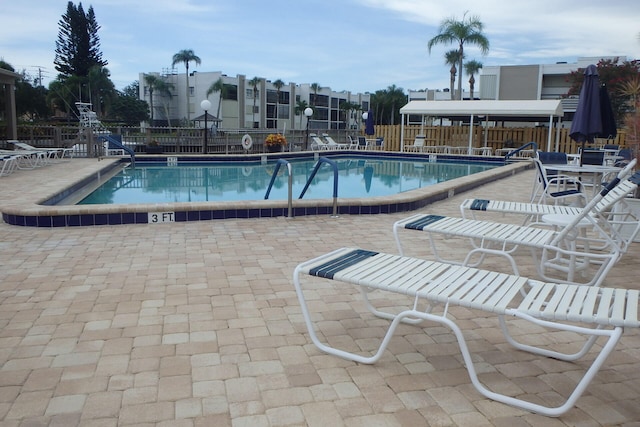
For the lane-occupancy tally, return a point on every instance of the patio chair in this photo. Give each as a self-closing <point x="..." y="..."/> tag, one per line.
<point x="362" y="143"/>
<point x="353" y="143"/>
<point x="576" y="249"/>
<point x="556" y="188"/>
<point x="434" y="288"/>
<point x="418" y="144"/>
<point x="592" y="157"/>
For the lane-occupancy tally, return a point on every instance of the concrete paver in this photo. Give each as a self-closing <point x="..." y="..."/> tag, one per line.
<point x="197" y="324"/>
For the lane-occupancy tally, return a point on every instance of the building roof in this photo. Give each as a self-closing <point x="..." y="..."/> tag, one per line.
<point x="518" y="110"/>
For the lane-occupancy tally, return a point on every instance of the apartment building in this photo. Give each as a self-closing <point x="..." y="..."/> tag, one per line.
<point x="245" y="105"/>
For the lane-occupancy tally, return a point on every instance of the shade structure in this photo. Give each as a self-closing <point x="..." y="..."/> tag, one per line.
<point x="369" y="129"/>
<point x="499" y="110"/>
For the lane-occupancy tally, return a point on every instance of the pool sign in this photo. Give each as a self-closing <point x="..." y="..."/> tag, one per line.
<point x="160" y="217"/>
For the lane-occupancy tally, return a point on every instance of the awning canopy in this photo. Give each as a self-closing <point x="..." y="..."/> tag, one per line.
<point x="517" y="110"/>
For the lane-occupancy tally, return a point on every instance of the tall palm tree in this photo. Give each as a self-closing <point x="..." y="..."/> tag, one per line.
<point x="254" y="82"/>
<point x="278" y="84"/>
<point x="164" y="88"/>
<point x="101" y="88"/>
<point x="218" y="86"/>
<point x="300" y="107"/>
<point x="185" y="56"/>
<point x="315" y="87"/>
<point x="468" y="30"/>
<point x="472" y="67"/>
<point x="451" y="58"/>
<point x="151" y="81"/>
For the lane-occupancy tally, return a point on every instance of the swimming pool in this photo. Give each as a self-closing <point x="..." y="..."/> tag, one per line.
<point x="358" y="177"/>
<point x="46" y="211"/>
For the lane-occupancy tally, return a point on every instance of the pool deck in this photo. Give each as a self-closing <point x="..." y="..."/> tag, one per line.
<point x="197" y="324"/>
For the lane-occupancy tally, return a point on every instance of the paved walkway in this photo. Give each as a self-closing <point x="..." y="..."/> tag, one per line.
<point x="197" y="324"/>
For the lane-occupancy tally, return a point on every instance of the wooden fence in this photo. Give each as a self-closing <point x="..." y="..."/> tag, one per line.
<point x="190" y="140"/>
<point x="494" y="137"/>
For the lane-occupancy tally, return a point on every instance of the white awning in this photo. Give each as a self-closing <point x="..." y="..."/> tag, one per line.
<point x="542" y="109"/>
<point x="517" y="110"/>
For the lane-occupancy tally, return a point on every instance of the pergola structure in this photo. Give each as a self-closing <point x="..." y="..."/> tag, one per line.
<point x="488" y="110"/>
<point x="8" y="82"/>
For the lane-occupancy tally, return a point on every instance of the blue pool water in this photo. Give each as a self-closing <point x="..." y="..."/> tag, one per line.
<point x="235" y="181"/>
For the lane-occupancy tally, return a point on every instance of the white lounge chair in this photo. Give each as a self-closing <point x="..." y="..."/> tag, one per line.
<point x="533" y="212"/>
<point x="56" y="153"/>
<point x="28" y="159"/>
<point x="418" y="144"/>
<point x="576" y="249"/>
<point x="8" y="164"/>
<point x="317" y="144"/>
<point x="333" y="145"/>
<point x="434" y="287"/>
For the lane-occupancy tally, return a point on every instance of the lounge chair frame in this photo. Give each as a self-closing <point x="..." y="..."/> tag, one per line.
<point x="564" y="252"/>
<point x="431" y="284"/>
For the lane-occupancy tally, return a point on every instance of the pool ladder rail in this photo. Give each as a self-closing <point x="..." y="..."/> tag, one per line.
<point x="317" y="166"/>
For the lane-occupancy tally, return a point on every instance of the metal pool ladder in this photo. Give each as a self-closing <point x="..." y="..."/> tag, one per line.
<point x="279" y="163"/>
<point x="334" y="165"/>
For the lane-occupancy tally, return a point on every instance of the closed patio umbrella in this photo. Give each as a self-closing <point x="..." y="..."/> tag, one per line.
<point x="587" y="120"/>
<point x="368" y="125"/>
<point x="609" y="128"/>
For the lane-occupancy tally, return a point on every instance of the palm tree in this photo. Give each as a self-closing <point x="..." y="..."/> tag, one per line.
<point x="164" y="88"/>
<point x="315" y="87"/>
<point x="451" y="58"/>
<point x="461" y="32"/>
<point x="254" y="82"/>
<point x="152" y="81"/>
<point x="300" y="107"/>
<point x="101" y="88"/>
<point x="472" y="67"/>
<point x="218" y="86"/>
<point x="185" y="56"/>
<point x="278" y="84"/>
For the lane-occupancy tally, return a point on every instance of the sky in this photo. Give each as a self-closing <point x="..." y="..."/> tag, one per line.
<point x="353" y="45"/>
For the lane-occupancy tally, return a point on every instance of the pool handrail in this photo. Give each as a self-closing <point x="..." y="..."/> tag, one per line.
<point x="113" y="141"/>
<point x="279" y="163"/>
<point x="519" y="149"/>
<point x="334" y="165"/>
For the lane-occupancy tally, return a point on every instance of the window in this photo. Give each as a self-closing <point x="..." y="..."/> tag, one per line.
<point x="249" y="93"/>
<point x="192" y="90"/>
<point x="231" y="92"/>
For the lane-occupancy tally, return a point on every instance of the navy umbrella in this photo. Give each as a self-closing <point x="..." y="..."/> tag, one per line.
<point x="368" y="124"/>
<point x="587" y="120"/>
<point x="609" y="128"/>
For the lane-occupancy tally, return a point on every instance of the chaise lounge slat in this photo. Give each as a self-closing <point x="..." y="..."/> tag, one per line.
<point x="604" y="311"/>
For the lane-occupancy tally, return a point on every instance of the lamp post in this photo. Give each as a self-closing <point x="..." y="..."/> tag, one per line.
<point x="205" y="105"/>
<point x="365" y="116"/>
<point x="307" y="112"/>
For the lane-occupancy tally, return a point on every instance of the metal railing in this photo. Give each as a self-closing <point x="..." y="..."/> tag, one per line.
<point x="279" y="163"/>
<point x="334" y="165"/>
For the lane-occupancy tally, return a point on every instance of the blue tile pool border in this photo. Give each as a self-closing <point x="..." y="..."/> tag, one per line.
<point x="77" y="216"/>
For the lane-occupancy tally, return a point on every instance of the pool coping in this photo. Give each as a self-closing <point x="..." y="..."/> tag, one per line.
<point x="33" y="213"/>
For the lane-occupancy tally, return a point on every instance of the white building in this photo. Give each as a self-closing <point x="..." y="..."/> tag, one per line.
<point x="270" y="108"/>
<point x="521" y="82"/>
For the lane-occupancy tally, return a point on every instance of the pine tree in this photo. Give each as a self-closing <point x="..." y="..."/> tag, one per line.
<point x="78" y="44"/>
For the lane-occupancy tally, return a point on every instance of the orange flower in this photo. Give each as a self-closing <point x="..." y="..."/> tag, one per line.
<point x="275" y="139"/>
